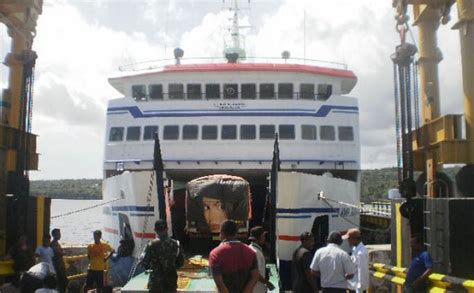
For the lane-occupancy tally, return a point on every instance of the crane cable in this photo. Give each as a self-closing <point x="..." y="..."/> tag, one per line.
<point x="86" y="208"/>
<point x="327" y="200"/>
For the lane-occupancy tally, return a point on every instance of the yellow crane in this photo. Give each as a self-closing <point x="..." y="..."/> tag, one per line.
<point x="17" y="144"/>
<point x="440" y="140"/>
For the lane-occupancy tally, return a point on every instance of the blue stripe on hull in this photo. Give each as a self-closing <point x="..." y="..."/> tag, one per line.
<point x="307" y="210"/>
<point x="133" y="208"/>
<point x="294" y="217"/>
<point x="323" y="111"/>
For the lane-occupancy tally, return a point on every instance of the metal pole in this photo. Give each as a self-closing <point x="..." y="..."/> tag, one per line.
<point x="465" y="26"/>
<point x="427" y="19"/>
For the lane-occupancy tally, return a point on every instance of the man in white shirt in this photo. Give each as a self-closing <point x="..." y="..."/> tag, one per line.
<point x="333" y="265"/>
<point x="257" y="238"/>
<point x="360" y="258"/>
<point x="45" y="253"/>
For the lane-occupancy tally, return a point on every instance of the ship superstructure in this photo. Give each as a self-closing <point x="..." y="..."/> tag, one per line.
<point x="224" y="117"/>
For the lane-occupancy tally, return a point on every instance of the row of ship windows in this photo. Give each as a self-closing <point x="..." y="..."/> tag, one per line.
<point x="230" y="132"/>
<point x="247" y="91"/>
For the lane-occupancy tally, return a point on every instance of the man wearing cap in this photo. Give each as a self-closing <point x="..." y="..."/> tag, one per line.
<point x="333" y="265"/>
<point x="162" y="256"/>
<point x="303" y="280"/>
<point x="360" y="258"/>
<point x="257" y="238"/>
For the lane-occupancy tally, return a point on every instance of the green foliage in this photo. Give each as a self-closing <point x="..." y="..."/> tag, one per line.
<point x="68" y="188"/>
<point x="376" y="183"/>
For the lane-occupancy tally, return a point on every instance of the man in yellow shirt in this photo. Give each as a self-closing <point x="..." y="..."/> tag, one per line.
<point x="98" y="253"/>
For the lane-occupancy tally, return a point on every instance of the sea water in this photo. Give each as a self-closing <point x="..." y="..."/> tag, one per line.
<point x="76" y="228"/>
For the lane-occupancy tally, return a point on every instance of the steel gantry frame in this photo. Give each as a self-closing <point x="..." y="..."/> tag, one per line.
<point x="439" y="140"/>
<point x="17" y="145"/>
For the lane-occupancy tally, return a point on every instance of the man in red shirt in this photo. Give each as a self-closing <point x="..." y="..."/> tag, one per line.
<point x="233" y="264"/>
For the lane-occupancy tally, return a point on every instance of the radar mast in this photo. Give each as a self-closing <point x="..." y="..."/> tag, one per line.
<point x="235" y="47"/>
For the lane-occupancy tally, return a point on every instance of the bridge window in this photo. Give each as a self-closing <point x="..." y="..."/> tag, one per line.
<point x="213" y="91"/>
<point x="249" y="91"/>
<point x="176" y="91"/>
<point x="286" y="131"/>
<point x="133" y="133"/>
<point x="307" y="91"/>
<point x="194" y="91"/>
<point x="139" y="91"/>
<point x="308" y="132"/>
<point x="209" y="132"/>
<point x="190" y="132"/>
<point x="324" y="91"/>
<point x="327" y="132"/>
<point x="345" y="133"/>
<point x="229" y="132"/>
<point x="231" y="91"/>
<point x="171" y="132"/>
<point x="156" y="92"/>
<point x="285" y="91"/>
<point x="149" y="132"/>
<point x="267" y="91"/>
<point x="267" y="131"/>
<point x="116" y="134"/>
<point x="248" y="132"/>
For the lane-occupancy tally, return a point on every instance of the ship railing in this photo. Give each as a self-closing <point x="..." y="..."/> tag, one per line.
<point x="437" y="282"/>
<point x="376" y="208"/>
<point x="161" y="63"/>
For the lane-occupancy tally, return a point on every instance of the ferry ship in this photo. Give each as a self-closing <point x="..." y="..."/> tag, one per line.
<point x="221" y="117"/>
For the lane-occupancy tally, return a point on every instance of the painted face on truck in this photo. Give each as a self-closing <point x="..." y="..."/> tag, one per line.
<point x="214" y="213"/>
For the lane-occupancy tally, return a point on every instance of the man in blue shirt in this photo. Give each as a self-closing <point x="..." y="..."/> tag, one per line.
<point x="420" y="267"/>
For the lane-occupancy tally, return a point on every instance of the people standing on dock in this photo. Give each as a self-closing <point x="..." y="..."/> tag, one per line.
<point x="58" y="261"/>
<point x="360" y="258"/>
<point x="233" y="264"/>
<point x="420" y="267"/>
<point x="303" y="280"/>
<point x="23" y="257"/>
<point x="257" y="238"/>
<point x="98" y="253"/>
<point x="162" y="257"/>
<point x="45" y="253"/>
<point x="333" y="265"/>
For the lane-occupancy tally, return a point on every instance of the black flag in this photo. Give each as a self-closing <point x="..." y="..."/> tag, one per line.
<point x="158" y="168"/>
<point x="273" y="187"/>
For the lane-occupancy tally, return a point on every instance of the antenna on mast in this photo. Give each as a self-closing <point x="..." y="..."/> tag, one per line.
<point x="235" y="48"/>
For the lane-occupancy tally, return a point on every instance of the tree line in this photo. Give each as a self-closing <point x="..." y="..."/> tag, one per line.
<point x="374" y="186"/>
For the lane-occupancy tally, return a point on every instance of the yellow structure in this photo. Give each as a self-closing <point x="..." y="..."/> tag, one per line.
<point x="438" y="282"/>
<point x="465" y="25"/>
<point x="440" y="141"/>
<point x="17" y="146"/>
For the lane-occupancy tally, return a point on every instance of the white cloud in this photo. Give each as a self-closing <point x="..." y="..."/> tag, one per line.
<point x="5" y="44"/>
<point x="71" y="89"/>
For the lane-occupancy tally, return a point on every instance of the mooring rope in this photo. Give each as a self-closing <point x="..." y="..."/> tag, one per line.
<point x="86" y="208"/>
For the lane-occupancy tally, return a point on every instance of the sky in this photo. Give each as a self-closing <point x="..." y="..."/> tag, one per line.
<point x="81" y="43"/>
